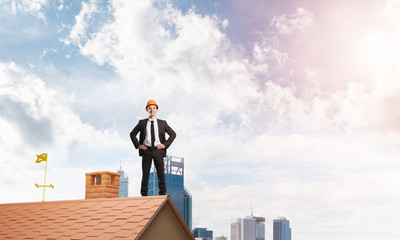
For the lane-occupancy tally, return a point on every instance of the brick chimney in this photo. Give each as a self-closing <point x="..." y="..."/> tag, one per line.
<point x="102" y="185"/>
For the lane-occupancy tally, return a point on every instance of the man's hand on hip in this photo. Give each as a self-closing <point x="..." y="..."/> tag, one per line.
<point x="160" y="146"/>
<point x="143" y="147"/>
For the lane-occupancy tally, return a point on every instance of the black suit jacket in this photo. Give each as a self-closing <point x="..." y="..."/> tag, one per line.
<point x="162" y="129"/>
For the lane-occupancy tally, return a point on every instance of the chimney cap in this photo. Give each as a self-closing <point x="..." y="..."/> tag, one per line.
<point x="102" y="172"/>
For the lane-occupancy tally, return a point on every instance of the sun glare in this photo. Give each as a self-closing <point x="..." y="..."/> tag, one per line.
<point x="376" y="51"/>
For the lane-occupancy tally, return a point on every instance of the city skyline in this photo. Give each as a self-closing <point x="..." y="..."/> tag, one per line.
<point x="291" y="106"/>
<point x="248" y="228"/>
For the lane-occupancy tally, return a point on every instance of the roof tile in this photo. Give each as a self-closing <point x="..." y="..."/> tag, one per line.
<point x="118" y="222"/>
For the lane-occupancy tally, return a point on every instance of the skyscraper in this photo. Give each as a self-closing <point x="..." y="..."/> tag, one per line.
<point x="174" y="181"/>
<point x="235" y="230"/>
<point x="123" y="183"/>
<point x="282" y="230"/>
<point x="188" y="209"/>
<point x="260" y="228"/>
<point x="249" y="228"/>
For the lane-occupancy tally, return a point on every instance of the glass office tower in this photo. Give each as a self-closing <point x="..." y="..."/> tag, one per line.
<point x="188" y="209"/>
<point x="123" y="183"/>
<point x="260" y="228"/>
<point x="174" y="181"/>
<point x="282" y="230"/>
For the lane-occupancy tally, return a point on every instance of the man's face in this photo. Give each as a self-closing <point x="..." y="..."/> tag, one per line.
<point x="152" y="110"/>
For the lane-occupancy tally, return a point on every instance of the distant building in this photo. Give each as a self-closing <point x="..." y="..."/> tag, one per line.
<point x="282" y="230"/>
<point x="203" y="234"/>
<point x="174" y="181"/>
<point x="123" y="183"/>
<point x="249" y="228"/>
<point x="221" y="238"/>
<point x="235" y="230"/>
<point x="260" y="228"/>
<point x="188" y="208"/>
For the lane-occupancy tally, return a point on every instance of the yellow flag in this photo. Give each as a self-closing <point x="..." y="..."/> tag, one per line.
<point x="42" y="157"/>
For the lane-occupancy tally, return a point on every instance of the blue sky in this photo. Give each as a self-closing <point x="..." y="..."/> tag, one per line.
<point x="290" y="105"/>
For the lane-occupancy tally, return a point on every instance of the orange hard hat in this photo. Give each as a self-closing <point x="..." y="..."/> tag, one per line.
<point x="151" y="102"/>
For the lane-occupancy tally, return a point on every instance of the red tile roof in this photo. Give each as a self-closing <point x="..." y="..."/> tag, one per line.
<point x="110" y="218"/>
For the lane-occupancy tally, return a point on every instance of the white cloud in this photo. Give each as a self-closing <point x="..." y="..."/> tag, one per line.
<point x="301" y="20"/>
<point x="263" y="52"/>
<point x="391" y="11"/>
<point x="187" y="54"/>
<point x="34" y="7"/>
<point x="77" y="34"/>
<point x="61" y="6"/>
<point x="47" y="51"/>
<point x="225" y="23"/>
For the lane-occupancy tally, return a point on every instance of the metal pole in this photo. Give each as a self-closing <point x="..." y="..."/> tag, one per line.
<point x="44" y="188"/>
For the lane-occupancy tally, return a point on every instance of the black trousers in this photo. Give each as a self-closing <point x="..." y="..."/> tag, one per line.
<point x="148" y="156"/>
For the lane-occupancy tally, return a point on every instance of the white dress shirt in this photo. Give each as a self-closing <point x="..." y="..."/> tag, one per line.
<point x="147" y="139"/>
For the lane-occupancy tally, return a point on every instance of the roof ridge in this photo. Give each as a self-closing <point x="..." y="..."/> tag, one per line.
<point x="89" y="200"/>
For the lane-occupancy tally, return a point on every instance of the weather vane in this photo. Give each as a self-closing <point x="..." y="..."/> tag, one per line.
<point x="40" y="158"/>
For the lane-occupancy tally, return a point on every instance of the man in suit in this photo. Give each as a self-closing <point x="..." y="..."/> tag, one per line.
<point x="152" y="144"/>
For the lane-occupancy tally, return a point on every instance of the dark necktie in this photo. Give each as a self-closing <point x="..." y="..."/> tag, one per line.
<point x="153" y="136"/>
